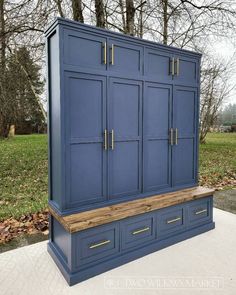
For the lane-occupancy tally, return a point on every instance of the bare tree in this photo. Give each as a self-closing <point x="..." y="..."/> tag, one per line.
<point x="77" y="10"/>
<point x="214" y="91"/>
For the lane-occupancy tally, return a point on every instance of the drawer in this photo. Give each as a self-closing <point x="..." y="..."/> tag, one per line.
<point x="200" y="211"/>
<point x="170" y="220"/>
<point x="137" y="230"/>
<point x="97" y="243"/>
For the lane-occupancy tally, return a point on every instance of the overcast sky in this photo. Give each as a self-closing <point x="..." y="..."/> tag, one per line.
<point x="226" y="50"/>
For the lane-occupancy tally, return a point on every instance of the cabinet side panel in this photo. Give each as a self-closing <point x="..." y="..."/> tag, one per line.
<point x="54" y="120"/>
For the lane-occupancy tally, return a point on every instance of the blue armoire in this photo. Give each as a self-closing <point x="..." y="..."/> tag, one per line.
<point x="123" y="148"/>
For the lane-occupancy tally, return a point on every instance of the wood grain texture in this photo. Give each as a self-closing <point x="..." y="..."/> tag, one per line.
<point x="84" y="220"/>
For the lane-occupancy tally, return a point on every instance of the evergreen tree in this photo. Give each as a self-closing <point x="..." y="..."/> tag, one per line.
<point x="23" y="89"/>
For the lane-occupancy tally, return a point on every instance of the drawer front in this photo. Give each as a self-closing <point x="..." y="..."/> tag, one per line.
<point x="200" y="211"/>
<point x="137" y="230"/>
<point x="97" y="243"/>
<point x="170" y="221"/>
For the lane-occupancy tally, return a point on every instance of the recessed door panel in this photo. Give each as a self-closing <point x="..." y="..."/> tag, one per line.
<point x="183" y="161"/>
<point x="157" y="120"/>
<point x="85" y="111"/>
<point x="125" y="111"/>
<point x="184" y="156"/>
<point x="86" y="108"/>
<point x="157" y="65"/>
<point x="125" y="57"/>
<point x="84" y="50"/>
<point x="86" y="172"/>
<point x="188" y="69"/>
<point x="156" y="164"/>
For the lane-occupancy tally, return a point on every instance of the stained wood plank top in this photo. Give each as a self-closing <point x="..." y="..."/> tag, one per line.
<point x="87" y="219"/>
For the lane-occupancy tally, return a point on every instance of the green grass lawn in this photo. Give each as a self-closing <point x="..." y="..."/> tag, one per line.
<point x="218" y="160"/>
<point x="23" y="170"/>
<point x="23" y="175"/>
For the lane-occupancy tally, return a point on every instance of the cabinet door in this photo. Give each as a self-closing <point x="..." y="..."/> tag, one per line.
<point x="125" y="109"/>
<point x="86" y="118"/>
<point x="157" y="65"/>
<point x="84" y="50"/>
<point x="184" y="155"/>
<point x="157" y="120"/>
<point x="186" y="70"/>
<point x="125" y="57"/>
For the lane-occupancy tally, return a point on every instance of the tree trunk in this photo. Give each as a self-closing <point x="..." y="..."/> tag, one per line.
<point x="165" y="21"/>
<point x="121" y="4"/>
<point x="77" y="10"/>
<point x="100" y="16"/>
<point x="59" y="7"/>
<point x="3" y="116"/>
<point x="130" y="12"/>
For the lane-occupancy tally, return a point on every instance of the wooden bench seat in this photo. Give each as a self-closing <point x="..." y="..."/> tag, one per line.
<point x="88" y="219"/>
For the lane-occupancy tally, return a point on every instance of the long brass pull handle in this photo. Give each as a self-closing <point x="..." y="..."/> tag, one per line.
<point x="176" y="136"/>
<point x="104" y="45"/>
<point x="173" y="220"/>
<point x="201" y="211"/>
<point x="177" y="67"/>
<point x="112" y="139"/>
<point x="112" y="54"/>
<point x="172" y="66"/>
<point x="105" y="139"/>
<point x="99" y="244"/>
<point x="140" y="230"/>
<point x="171" y="136"/>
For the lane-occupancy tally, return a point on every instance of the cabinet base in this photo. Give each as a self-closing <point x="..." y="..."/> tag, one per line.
<point x="76" y="277"/>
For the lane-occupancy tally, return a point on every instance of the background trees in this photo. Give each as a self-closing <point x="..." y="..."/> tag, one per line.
<point x="193" y="25"/>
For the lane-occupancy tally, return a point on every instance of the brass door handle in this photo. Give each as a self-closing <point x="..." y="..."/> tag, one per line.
<point x="172" y="67"/>
<point x="201" y="211"/>
<point x="112" y="57"/>
<point x="171" y="136"/>
<point x="140" y="230"/>
<point x="105" y="139"/>
<point x="112" y="139"/>
<point x="173" y="220"/>
<point x="104" y="45"/>
<point x="99" y="244"/>
<point x="177" y="66"/>
<point x="176" y="136"/>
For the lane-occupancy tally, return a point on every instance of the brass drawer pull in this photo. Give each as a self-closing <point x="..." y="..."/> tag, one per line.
<point x="140" y="230"/>
<point x="173" y="220"/>
<point x="200" y="211"/>
<point x="99" y="244"/>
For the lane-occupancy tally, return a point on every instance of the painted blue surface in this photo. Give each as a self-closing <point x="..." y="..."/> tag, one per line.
<point x="138" y="98"/>
<point x="124" y="246"/>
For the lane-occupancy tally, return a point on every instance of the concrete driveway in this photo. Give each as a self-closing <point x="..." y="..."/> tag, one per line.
<point x="205" y="264"/>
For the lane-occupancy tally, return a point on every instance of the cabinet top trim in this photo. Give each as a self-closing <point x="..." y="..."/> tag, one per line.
<point x="109" y="33"/>
<point x="84" y="220"/>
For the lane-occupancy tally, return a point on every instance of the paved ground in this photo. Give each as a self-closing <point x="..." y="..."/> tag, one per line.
<point x="225" y="200"/>
<point x="205" y="264"/>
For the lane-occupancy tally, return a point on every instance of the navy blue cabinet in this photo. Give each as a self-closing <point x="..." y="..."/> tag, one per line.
<point x="123" y="148"/>
<point x="123" y="117"/>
